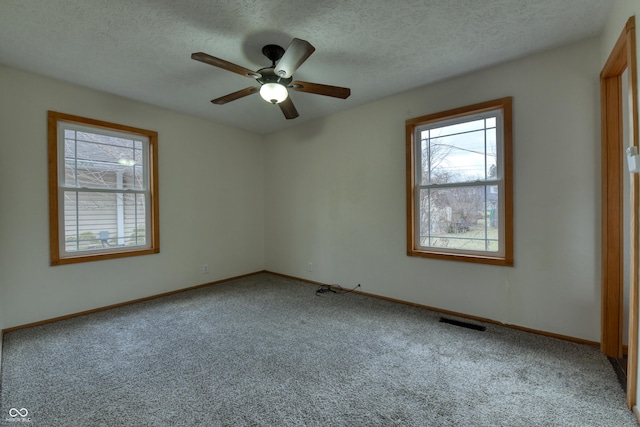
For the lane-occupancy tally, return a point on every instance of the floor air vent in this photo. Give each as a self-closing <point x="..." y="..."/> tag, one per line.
<point x="462" y="324"/>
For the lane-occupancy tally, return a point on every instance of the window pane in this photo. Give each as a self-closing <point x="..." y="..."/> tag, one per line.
<point x="427" y="162"/>
<point x="69" y="159"/>
<point x="102" y="161"/>
<point x="457" y="158"/>
<point x="462" y="152"/>
<point x="458" y="128"/>
<point x="459" y="218"/>
<point x="94" y="169"/>
<point x="135" y="219"/>
<point x="135" y="178"/>
<point x="492" y="154"/>
<point x="95" y="221"/>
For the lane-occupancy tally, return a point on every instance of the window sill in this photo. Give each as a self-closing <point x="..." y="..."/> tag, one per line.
<point x="98" y="257"/>
<point x="478" y="259"/>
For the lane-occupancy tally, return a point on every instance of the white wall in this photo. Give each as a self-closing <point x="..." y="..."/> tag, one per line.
<point x="211" y="204"/>
<point x="620" y="12"/>
<point x="335" y="196"/>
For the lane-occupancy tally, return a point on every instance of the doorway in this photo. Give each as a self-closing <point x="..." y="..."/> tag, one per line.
<point x="620" y="64"/>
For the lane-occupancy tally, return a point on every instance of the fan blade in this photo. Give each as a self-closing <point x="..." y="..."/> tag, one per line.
<point x="319" y="89"/>
<point x="225" y="65"/>
<point x="235" y="95"/>
<point x="288" y="109"/>
<point x="297" y="52"/>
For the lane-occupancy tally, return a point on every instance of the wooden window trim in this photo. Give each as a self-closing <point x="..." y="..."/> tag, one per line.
<point x="54" y="230"/>
<point x="506" y="105"/>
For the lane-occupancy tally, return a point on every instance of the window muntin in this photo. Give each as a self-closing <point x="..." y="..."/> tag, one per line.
<point x="458" y="189"/>
<point x="104" y="188"/>
<point x="464" y="151"/>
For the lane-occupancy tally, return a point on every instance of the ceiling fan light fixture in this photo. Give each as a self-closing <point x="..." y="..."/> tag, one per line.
<point x="274" y="93"/>
<point x="275" y="80"/>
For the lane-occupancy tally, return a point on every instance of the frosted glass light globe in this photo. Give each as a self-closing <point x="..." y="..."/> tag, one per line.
<point x="274" y="93"/>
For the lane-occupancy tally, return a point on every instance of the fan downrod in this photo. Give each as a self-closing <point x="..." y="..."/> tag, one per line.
<point x="273" y="52"/>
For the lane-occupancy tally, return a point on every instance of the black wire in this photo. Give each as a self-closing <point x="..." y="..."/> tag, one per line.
<point x="330" y="288"/>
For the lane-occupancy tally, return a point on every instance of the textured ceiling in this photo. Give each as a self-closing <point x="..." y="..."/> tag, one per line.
<point x="141" y="49"/>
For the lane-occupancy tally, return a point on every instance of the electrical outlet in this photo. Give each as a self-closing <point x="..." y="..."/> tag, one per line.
<point x="205" y="268"/>
<point x="309" y="266"/>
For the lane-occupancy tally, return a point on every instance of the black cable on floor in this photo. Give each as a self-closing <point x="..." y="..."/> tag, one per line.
<point x="336" y="289"/>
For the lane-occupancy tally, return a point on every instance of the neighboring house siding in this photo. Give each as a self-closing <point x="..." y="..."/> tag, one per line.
<point x="101" y="216"/>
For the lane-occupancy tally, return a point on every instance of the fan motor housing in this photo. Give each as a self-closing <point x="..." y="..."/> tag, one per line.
<point x="269" y="76"/>
<point x="273" y="52"/>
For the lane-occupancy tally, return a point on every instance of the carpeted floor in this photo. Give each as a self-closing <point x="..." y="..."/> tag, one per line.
<point x="268" y="351"/>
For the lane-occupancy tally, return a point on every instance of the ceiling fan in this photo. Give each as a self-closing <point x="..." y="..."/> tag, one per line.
<point x="275" y="79"/>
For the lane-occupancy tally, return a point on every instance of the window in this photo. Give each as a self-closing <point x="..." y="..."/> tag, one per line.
<point x="459" y="184"/>
<point x="103" y="190"/>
